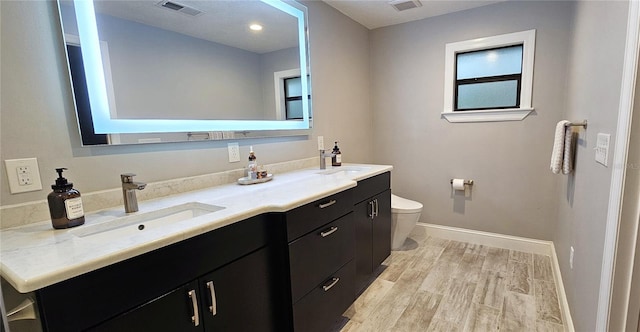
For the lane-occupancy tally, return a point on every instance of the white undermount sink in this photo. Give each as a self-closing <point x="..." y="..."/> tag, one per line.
<point x="345" y="170"/>
<point x="134" y="224"/>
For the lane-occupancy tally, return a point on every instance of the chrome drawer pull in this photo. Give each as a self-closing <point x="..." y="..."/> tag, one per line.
<point x="331" y="230"/>
<point x="195" y="319"/>
<point x="327" y="204"/>
<point x="334" y="281"/>
<point x="376" y="204"/>
<point x="213" y="308"/>
<point x="373" y="211"/>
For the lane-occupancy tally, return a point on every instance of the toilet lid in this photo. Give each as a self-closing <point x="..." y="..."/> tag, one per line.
<point x="403" y="205"/>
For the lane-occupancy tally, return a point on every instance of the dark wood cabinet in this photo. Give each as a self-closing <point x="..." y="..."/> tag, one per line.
<point x="236" y="297"/>
<point x="241" y="255"/>
<point x="240" y="296"/>
<point x="372" y="216"/>
<point x="320" y="251"/>
<point x="298" y="270"/>
<point x="172" y="311"/>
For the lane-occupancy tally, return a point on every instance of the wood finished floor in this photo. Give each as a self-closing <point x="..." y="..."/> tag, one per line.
<point x="433" y="284"/>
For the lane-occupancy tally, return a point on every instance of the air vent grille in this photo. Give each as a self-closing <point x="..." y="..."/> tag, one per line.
<point x="401" y="5"/>
<point x="178" y="7"/>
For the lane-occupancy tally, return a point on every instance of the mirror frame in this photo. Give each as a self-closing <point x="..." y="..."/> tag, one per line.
<point x="97" y="91"/>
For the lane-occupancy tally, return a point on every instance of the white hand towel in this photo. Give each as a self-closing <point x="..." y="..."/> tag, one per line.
<point x="567" y="155"/>
<point x="558" y="147"/>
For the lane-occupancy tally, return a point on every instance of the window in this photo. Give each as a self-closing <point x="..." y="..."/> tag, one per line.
<point x="489" y="79"/>
<point x="293" y="98"/>
<point x="288" y="89"/>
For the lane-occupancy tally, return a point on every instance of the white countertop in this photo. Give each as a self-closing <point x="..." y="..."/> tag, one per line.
<point x="35" y="256"/>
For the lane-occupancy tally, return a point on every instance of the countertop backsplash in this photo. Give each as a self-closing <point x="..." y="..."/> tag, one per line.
<point x="37" y="211"/>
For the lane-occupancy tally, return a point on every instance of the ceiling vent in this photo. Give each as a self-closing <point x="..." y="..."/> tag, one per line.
<point x="401" y="5"/>
<point x="178" y="7"/>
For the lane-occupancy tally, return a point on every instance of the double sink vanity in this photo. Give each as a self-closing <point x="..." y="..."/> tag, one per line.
<point x="286" y="255"/>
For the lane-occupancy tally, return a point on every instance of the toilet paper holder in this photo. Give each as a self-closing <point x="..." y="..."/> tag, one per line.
<point x="466" y="182"/>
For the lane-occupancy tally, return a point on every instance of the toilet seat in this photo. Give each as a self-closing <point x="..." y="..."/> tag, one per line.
<point x="402" y="205"/>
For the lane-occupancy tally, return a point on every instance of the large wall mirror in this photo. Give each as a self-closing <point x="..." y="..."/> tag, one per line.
<point x="147" y="71"/>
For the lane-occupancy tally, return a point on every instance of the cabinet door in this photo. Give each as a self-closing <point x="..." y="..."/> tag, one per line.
<point x="177" y="310"/>
<point x="381" y="228"/>
<point x="240" y="296"/>
<point x="364" y="264"/>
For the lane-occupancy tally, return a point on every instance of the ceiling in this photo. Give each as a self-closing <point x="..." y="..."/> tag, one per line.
<point x="224" y="22"/>
<point x="379" y="13"/>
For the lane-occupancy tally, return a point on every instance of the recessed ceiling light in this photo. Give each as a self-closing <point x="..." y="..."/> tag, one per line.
<point x="255" y="27"/>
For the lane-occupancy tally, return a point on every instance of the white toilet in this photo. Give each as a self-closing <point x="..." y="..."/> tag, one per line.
<point x="404" y="217"/>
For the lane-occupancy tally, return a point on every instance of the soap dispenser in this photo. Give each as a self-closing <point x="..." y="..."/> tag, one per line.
<point x="252" y="168"/>
<point x="65" y="204"/>
<point x="336" y="160"/>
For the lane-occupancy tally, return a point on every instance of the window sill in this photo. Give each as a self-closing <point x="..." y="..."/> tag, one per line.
<point x="510" y="114"/>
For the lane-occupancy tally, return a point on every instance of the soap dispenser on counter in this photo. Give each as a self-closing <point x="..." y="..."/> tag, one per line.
<point x="65" y="204"/>
<point x="336" y="160"/>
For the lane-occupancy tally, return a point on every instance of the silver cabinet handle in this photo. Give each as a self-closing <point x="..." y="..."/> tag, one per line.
<point x="213" y="308"/>
<point x="372" y="214"/>
<point x="327" y="204"/>
<point x="332" y="283"/>
<point x="195" y="319"/>
<point x="331" y="230"/>
<point x="376" y="204"/>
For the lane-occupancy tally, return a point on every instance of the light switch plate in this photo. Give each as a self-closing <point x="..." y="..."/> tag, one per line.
<point x="23" y="175"/>
<point x="320" y="142"/>
<point x="602" y="148"/>
<point x="234" y="152"/>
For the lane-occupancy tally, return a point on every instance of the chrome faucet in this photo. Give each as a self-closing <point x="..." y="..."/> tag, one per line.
<point x="323" y="156"/>
<point x="129" y="188"/>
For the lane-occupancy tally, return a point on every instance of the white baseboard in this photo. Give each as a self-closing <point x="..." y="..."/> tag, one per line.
<point x="512" y="243"/>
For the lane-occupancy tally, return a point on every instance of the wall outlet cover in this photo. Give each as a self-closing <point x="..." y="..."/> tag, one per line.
<point x="320" y="142"/>
<point x="234" y="152"/>
<point x="23" y="175"/>
<point x="602" y="148"/>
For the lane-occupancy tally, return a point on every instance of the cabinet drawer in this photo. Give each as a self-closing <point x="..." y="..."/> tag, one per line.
<point x="320" y="309"/>
<point x="316" y="255"/>
<point x="308" y="217"/>
<point x="371" y="186"/>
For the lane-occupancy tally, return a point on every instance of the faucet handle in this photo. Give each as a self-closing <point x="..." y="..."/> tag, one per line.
<point x="127" y="177"/>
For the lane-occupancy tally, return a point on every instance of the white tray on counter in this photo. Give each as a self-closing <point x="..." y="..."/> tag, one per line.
<point x="246" y="180"/>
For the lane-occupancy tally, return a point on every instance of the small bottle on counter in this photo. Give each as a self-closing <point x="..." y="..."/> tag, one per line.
<point x="336" y="160"/>
<point x="252" y="168"/>
<point x="65" y="204"/>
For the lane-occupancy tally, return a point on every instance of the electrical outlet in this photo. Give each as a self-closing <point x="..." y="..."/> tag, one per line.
<point x="234" y="152"/>
<point x="320" y="142"/>
<point x="23" y="175"/>
<point x="571" y="254"/>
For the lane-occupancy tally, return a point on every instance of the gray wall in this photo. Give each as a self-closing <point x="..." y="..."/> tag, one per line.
<point x="37" y="110"/>
<point x="594" y="82"/>
<point x="514" y="191"/>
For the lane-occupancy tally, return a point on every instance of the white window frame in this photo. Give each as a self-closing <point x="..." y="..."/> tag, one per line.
<point x="525" y="38"/>
<point x="278" y="79"/>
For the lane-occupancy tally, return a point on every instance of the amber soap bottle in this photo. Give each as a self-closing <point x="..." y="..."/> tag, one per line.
<point x="336" y="160"/>
<point x="65" y="204"/>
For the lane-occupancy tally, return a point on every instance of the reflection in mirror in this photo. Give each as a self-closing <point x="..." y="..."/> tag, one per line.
<point x="194" y="69"/>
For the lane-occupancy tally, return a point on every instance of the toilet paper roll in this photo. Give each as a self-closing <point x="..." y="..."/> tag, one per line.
<point x="458" y="184"/>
